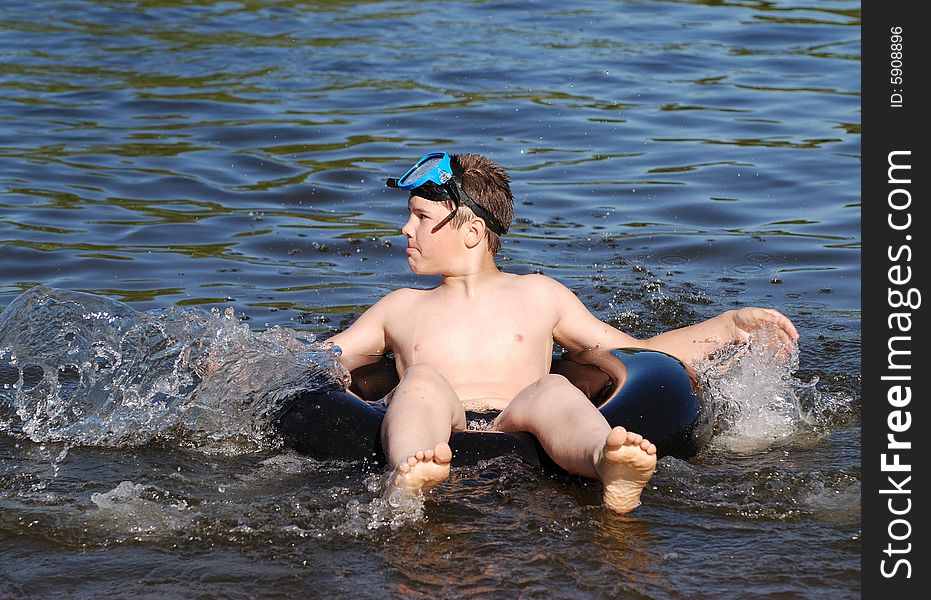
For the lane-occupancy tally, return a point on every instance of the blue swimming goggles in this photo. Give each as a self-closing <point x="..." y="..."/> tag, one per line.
<point x="432" y="178"/>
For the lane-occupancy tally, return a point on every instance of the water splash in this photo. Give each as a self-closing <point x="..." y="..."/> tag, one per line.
<point x="392" y="507"/>
<point x="87" y="370"/>
<point x="754" y="396"/>
<point x="140" y="511"/>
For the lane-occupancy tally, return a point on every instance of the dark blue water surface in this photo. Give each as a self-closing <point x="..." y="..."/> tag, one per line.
<point x="670" y="160"/>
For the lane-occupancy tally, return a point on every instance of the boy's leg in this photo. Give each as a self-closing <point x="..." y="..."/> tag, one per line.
<point x="578" y="438"/>
<point x="422" y="412"/>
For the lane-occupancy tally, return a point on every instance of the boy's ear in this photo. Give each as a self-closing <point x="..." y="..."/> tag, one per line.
<point x="475" y="232"/>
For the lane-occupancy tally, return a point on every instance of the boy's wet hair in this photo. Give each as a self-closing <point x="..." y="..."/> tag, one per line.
<point x="488" y="184"/>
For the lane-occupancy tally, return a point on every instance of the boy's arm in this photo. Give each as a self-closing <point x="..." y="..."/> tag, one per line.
<point x="695" y="342"/>
<point x="364" y="341"/>
<point x="577" y="329"/>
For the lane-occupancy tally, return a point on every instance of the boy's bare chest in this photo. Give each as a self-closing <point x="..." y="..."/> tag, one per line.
<point x="493" y="335"/>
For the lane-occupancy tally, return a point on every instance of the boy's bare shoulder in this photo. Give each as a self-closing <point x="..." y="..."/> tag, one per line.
<point x="545" y="293"/>
<point x="539" y="282"/>
<point x="401" y="298"/>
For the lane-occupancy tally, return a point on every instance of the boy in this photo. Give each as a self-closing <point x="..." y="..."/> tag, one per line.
<point x="483" y="340"/>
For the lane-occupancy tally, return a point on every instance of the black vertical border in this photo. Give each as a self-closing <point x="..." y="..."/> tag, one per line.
<point x="887" y="128"/>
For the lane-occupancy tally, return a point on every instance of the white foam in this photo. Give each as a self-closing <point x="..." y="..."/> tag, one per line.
<point x="113" y="376"/>
<point x="752" y="393"/>
<point x="391" y="508"/>
<point x="140" y="510"/>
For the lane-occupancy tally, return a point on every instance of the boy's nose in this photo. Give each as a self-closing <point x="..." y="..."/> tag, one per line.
<point x="408" y="229"/>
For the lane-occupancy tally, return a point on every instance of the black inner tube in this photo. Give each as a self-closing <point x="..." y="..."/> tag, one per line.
<point x="648" y="392"/>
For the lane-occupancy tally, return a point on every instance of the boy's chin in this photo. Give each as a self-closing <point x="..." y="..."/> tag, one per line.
<point x="422" y="269"/>
<point x="417" y="270"/>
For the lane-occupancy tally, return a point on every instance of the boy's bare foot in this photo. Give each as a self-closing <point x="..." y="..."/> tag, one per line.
<point x="425" y="469"/>
<point x="627" y="462"/>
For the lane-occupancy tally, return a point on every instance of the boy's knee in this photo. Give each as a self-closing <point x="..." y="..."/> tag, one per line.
<point x="423" y="378"/>
<point x="546" y="390"/>
<point x="555" y="389"/>
<point x="553" y="383"/>
<point x="421" y="373"/>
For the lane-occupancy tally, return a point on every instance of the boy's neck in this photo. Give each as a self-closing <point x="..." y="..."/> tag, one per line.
<point x="472" y="280"/>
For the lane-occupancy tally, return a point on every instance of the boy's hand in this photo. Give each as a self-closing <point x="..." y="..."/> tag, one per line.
<point x="748" y="320"/>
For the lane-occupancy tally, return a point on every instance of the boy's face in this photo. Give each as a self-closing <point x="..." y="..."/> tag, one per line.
<point x="429" y="253"/>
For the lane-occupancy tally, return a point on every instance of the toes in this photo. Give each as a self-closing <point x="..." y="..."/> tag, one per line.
<point x="621" y="437"/>
<point x="443" y="453"/>
<point x="617" y="437"/>
<point x="420" y="455"/>
<point x="427" y="455"/>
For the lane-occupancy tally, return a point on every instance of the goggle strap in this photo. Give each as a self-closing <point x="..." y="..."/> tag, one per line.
<point x="446" y="220"/>
<point x="490" y="221"/>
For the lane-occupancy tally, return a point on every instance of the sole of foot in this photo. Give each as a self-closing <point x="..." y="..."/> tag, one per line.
<point x="425" y="469"/>
<point x="627" y="463"/>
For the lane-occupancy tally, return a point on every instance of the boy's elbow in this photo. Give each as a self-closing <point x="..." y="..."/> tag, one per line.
<point x="647" y="344"/>
<point x="661" y="345"/>
<point x="658" y="346"/>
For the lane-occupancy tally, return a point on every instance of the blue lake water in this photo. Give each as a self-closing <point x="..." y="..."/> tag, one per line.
<point x="669" y="161"/>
